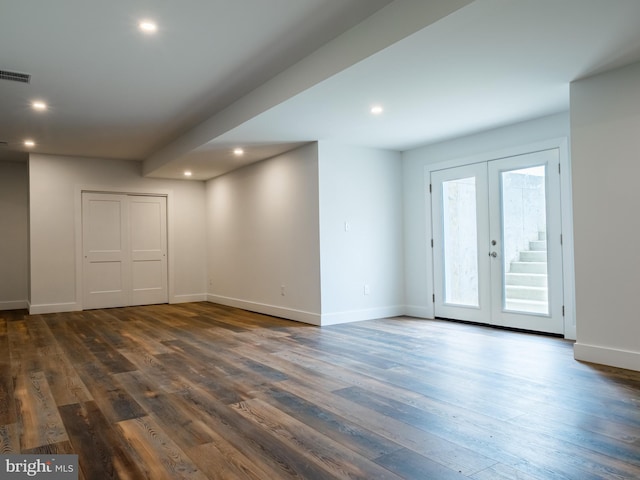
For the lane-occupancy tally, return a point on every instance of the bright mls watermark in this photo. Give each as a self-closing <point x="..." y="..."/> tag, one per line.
<point x="51" y="467"/>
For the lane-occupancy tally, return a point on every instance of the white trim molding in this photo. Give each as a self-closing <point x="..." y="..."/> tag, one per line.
<point x="273" y="310"/>
<point x="607" y="356"/>
<point x="360" y="315"/>
<point x="54" y="308"/>
<point x="193" y="297"/>
<point x="14" y="305"/>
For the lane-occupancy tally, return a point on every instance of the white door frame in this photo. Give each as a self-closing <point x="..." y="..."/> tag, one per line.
<point x="79" y="189"/>
<point x="566" y="211"/>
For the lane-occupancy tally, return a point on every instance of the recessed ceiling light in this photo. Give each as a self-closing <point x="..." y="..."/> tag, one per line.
<point x="29" y="143"/>
<point x="187" y="173"/>
<point x="377" y="110"/>
<point x="147" y="26"/>
<point x="238" y="152"/>
<point x="39" y="105"/>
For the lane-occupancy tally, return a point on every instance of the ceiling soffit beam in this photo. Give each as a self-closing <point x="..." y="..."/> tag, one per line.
<point x="387" y="26"/>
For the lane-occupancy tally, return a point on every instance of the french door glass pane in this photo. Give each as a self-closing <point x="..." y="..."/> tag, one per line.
<point x="524" y="239"/>
<point x="460" y="242"/>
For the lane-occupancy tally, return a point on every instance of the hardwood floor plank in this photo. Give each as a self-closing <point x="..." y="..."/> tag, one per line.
<point x="440" y="450"/>
<point x="60" y="448"/>
<point x="9" y="439"/>
<point x="222" y="461"/>
<point x="23" y="356"/>
<point x="209" y="379"/>
<point x="409" y="464"/>
<point x="265" y="371"/>
<point x="63" y="379"/>
<point x="554" y="455"/>
<point x="323" y="378"/>
<point x="158" y="456"/>
<point x="502" y="472"/>
<point x="141" y="331"/>
<point x="197" y="356"/>
<point x="101" y="451"/>
<point x="586" y="423"/>
<point x="38" y="416"/>
<point x="70" y="340"/>
<point x="108" y="356"/>
<point x="311" y="444"/>
<point x="351" y="435"/>
<point x="168" y="410"/>
<point x="114" y="401"/>
<point x="39" y="334"/>
<point x="618" y="450"/>
<point x="167" y="380"/>
<point x="344" y="352"/>
<point x="7" y="405"/>
<point x="229" y="449"/>
<point x="270" y="453"/>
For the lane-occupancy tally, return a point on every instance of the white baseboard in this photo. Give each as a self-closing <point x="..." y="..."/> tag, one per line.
<point x="194" y="297"/>
<point x="418" y="311"/>
<point x="311" y="318"/>
<point x="75" y="306"/>
<point x="276" y="311"/>
<point x="607" y="356"/>
<point x="14" y="305"/>
<point x="360" y="315"/>
<point x="54" y="308"/>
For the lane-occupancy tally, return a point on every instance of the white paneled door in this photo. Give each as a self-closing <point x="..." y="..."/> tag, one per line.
<point x="148" y="247"/>
<point x="124" y="250"/>
<point x="497" y="242"/>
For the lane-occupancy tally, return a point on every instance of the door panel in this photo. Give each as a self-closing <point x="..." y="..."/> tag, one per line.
<point x="524" y="197"/>
<point x="497" y="252"/>
<point x="148" y="249"/>
<point x="106" y="263"/>
<point x="461" y="220"/>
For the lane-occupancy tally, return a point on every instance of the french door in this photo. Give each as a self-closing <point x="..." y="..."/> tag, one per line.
<point x="124" y="250"/>
<point x="497" y="242"/>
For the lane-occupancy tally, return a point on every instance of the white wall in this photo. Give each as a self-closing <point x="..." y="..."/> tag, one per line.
<point x="14" y="225"/>
<point x="490" y="144"/>
<point x="363" y="188"/>
<point x="263" y="233"/>
<point x="55" y="183"/>
<point x="605" y="131"/>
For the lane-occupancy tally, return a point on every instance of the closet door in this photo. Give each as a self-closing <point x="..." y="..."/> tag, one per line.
<point x="105" y="238"/>
<point x="148" y="248"/>
<point x="124" y="250"/>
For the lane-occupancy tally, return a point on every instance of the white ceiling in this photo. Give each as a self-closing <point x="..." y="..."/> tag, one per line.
<point x="220" y="74"/>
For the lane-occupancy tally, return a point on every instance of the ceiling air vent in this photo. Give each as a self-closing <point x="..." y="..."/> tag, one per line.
<point x="15" y="76"/>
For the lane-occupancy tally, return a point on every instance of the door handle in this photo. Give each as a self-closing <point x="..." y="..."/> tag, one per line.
<point x="493" y="254"/>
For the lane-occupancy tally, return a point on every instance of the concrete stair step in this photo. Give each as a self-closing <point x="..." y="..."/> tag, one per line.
<point x="526" y="279"/>
<point x="538" y="245"/>
<point x="518" y="292"/>
<point x="528" y="267"/>
<point x="531" y="306"/>
<point x="529" y="256"/>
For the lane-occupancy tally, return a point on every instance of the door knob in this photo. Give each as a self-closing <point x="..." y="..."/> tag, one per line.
<point x="493" y="254"/>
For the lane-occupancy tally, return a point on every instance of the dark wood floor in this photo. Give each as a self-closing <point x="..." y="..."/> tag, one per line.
<point x="204" y="391"/>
